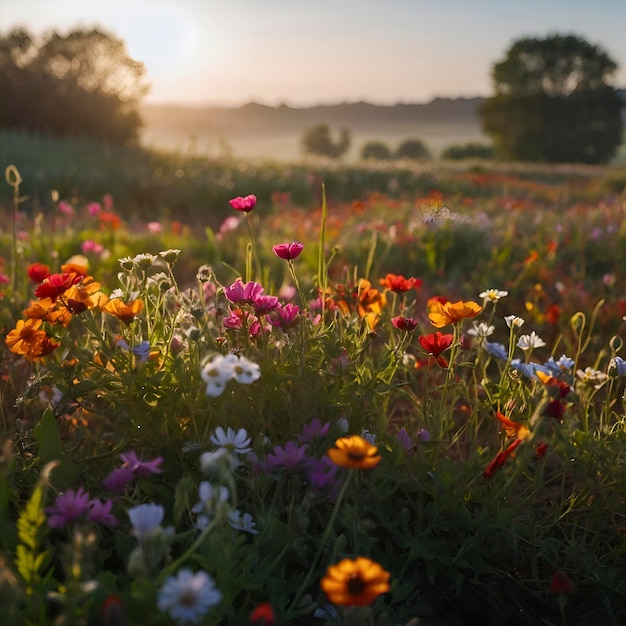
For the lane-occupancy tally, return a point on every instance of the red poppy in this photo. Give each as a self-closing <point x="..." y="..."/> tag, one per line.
<point x="436" y="343"/>
<point x="399" y="283"/>
<point x="38" y="272"/>
<point x="56" y="285"/>
<point x="404" y="323"/>
<point x="561" y="584"/>
<point x="263" y="614"/>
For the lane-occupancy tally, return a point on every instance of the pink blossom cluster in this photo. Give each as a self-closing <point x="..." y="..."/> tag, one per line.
<point x="71" y="505"/>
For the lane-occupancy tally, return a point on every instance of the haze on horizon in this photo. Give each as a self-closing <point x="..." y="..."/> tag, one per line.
<point x="203" y="52"/>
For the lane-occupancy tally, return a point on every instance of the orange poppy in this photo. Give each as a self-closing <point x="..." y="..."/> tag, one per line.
<point x="355" y="582"/>
<point x="370" y="300"/>
<point x="354" y="452"/>
<point x="125" y="312"/>
<point x="441" y="314"/>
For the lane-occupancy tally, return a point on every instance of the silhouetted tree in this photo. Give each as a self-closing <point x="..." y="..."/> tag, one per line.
<point x="554" y="102"/>
<point x="81" y="84"/>
<point x="413" y="149"/>
<point x="317" y="140"/>
<point x="376" y="150"/>
<point x="470" y="150"/>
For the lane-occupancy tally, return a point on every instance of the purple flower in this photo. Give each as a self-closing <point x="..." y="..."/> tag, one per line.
<point x="119" y="479"/>
<point x="312" y="430"/>
<point x="290" y="456"/>
<point x="100" y="512"/>
<point x="243" y="204"/>
<point x="288" y="251"/>
<point x="287" y="316"/>
<point x="404" y="440"/>
<point x="265" y="304"/>
<point x="322" y="473"/>
<point x="68" y="506"/>
<point x="139" y="466"/>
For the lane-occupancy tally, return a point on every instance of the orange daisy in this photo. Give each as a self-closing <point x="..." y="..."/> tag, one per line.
<point x="355" y="583"/>
<point x="26" y="338"/>
<point x="354" y="452"/>
<point x="123" y="311"/>
<point x="441" y="314"/>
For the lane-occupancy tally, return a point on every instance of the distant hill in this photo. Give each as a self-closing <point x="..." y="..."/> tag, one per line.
<point x="260" y="130"/>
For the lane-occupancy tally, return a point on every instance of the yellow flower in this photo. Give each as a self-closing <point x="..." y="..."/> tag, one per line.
<point x="355" y="583"/>
<point x="123" y="311"/>
<point x="354" y="452"/>
<point x="441" y="314"/>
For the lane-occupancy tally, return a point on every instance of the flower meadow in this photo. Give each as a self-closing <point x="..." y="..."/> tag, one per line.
<point x="386" y="412"/>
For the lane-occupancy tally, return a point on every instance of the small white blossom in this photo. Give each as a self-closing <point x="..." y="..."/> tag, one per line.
<point x="237" y="442"/>
<point x="144" y="261"/>
<point x="242" y="522"/>
<point x="245" y="371"/>
<point x="210" y="460"/>
<point x="188" y="596"/>
<point x="529" y="342"/>
<point x="481" y="330"/>
<point x="592" y="376"/>
<point x="210" y="499"/>
<point x="145" y="518"/>
<point x="493" y="295"/>
<point x="512" y="321"/>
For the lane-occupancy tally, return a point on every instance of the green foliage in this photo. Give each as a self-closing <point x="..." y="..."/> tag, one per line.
<point x="82" y="84"/>
<point x="468" y="151"/>
<point x="376" y="150"/>
<point x="317" y="140"/>
<point x="554" y="102"/>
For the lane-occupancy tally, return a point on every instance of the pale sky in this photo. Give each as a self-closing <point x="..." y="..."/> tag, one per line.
<point x="304" y="52"/>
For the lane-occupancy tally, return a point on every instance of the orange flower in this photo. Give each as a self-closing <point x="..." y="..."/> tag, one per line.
<point x="83" y="295"/>
<point x="26" y="338"/>
<point x="512" y="429"/>
<point x="370" y="300"/>
<point x="441" y="314"/>
<point x="355" y="583"/>
<point x="123" y="311"/>
<point x="49" y="311"/>
<point x="354" y="452"/>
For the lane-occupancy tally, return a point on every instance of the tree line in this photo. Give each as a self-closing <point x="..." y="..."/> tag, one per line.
<point x="80" y="84"/>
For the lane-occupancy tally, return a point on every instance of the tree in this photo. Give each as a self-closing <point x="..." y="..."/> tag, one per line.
<point x="317" y="140"/>
<point x="554" y="102"/>
<point x="376" y="150"/>
<point x="458" y="152"/>
<point x="413" y="149"/>
<point x="81" y="84"/>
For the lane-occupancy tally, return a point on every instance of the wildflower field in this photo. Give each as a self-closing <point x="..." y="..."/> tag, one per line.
<point x="405" y="407"/>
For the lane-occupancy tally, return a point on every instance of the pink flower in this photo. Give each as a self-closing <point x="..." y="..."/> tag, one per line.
<point x="139" y="466"/>
<point x="233" y="320"/>
<point x="154" y="227"/>
<point x="119" y="479"/>
<point x="287" y="316"/>
<point x="265" y="304"/>
<point x="107" y="201"/>
<point x="4" y="279"/>
<point x="243" y="204"/>
<point x="89" y="245"/>
<point x="93" y="208"/>
<point x="66" y="208"/>
<point x="288" y="251"/>
<point x="292" y="455"/>
<point x="243" y="293"/>
<point x="68" y="506"/>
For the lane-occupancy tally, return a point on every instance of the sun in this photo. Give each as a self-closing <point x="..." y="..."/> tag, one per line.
<point x="164" y="36"/>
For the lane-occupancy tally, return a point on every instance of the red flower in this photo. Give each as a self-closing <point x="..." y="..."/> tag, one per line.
<point x="56" y="285"/>
<point x="556" y="409"/>
<point x="399" y="283"/>
<point x="404" y="323"/>
<point x="243" y="204"/>
<point x="38" y="272"/>
<point x="561" y="584"/>
<point x="436" y="343"/>
<point x="263" y="614"/>
<point x="288" y="251"/>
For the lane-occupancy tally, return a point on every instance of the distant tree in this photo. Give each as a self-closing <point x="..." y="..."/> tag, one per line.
<point x="470" y="150"/>
<point x="317" y="140"/>
<point x="81" y="84"/>
<point x="376" y="150"/>
<point x="413" y="149"/>
<point x="553" y="102"/>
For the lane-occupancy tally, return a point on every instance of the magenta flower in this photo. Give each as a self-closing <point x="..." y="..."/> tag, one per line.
<point x="292" y="455"/>
<point x="233" y="320"/>
<point x="287" y="316"/>
<point x="68" y="506"/>
<point x="322" y="474"/>
<point x="93" y="208"/>
<point x="139" y="466"/>
<point x="243" y="293"/>
<point x="100" y="513"/>
<point x="66" y="208"/>
<point x="265" y="304"/>
<point x="89" y="245"/>
<point x="288" y="251"/>
<point x="312" y="430"/>
<point x="243" y="204"/>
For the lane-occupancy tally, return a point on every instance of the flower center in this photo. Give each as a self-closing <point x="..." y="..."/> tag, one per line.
<point x="187" y="598"/>
<point x="356" y="456"/>
<point x="356" y="586"/>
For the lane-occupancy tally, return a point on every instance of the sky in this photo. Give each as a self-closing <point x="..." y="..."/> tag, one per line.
<point x="304" y="52"/>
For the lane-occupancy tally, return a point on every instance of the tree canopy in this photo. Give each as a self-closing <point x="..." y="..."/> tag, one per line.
<point x="318" y="140"/>
<point x="554" y="102"/>
<point x="80" y="84"/>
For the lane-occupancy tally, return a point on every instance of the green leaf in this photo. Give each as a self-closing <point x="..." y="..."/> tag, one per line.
<point x="48" y="435"/>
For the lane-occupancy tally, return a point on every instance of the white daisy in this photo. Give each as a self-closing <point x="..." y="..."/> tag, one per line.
<point x="237" y="442"/>
<point x="188" y="596"/>
<point x="512" y="321"/>
<point x="529" y="342"/>
<point x="145" y="518"/>
<point x="493" y="295"/>
<point x="242" y="522"/>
